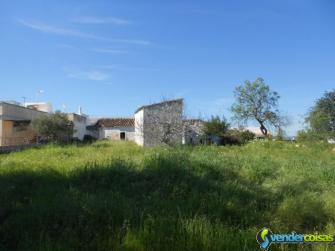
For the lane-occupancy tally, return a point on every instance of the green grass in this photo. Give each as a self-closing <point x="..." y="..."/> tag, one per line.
<point x="118" y="196"/>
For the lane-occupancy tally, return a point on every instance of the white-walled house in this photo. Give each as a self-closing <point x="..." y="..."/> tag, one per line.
<point x="113" y="129"/>
<point x="160" y="123"/>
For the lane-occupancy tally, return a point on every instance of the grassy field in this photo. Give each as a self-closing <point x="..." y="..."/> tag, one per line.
<point x="118" y="196"/>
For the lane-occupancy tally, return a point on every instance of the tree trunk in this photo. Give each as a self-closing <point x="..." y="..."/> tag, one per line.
<point x="263" y="128"/>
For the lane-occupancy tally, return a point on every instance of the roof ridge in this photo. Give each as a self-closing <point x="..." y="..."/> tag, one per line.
<point x="159" y="103"/>
<point x="115" y="122"/>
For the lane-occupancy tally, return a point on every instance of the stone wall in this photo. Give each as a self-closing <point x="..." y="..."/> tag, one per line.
<point x="192" y="131"/>
<point x="160" y="124"/>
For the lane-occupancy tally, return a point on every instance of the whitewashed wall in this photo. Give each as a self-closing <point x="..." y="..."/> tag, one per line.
<point x="113" y="133"/>
<point x="139" y="116"/>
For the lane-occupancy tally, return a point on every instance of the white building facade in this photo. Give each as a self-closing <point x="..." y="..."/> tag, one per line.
<point x="113" y="129"/>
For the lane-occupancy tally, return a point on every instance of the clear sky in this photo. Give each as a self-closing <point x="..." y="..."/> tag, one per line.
<point x="111" y="56"/>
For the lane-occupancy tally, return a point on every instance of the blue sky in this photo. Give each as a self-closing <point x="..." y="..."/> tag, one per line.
<point x="112" y="56"/>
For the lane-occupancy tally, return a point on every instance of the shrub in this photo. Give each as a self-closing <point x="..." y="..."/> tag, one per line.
<point x="54" y="127"/>
<point x="309" y="135"/>
<point x="88" y="138"/>
<point x="235" y="136"/>
<point x="215" y="126"/>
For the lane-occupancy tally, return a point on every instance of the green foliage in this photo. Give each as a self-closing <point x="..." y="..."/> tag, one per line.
<point x="299" y="213"/>
<point x="234" y="136"/>
<point x="118" y="196"/>
<point x="280" y="134"/>
<point x="255" y="100"/>
<point x="220" y="128"/>
<point x="309" y="135"/>
<point x="216" y="126"/>
<point x="54" y="127"/>
<point x="321" y="118"/>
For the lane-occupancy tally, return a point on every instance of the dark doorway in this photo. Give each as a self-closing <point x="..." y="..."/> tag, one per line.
<point x="122" y="135"/>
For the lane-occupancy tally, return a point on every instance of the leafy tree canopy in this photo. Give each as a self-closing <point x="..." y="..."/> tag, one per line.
<point x="216" y="126"/>
<point x="54" y="127"/>
<point x="321" y="118"/>
<point x="255" y="101"/>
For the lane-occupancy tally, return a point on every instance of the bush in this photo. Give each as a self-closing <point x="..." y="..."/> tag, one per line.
<point x="309" y="135"/>
<point x="217" y="132"/>
<point x="88" y="138"/>
<point x="237" y="137"/>
<point x="54" y="127"/>
<point x="215" y="126"/>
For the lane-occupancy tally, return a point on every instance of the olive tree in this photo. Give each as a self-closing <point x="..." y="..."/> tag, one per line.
<point x="255" y="101"/>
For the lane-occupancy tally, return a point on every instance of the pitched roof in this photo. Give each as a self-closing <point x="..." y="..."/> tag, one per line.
<point x="115" y="122"/>
<point x="180" y="100"/>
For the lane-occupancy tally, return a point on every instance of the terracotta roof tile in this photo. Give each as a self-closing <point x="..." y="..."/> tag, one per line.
<point x="115" y="122"/>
